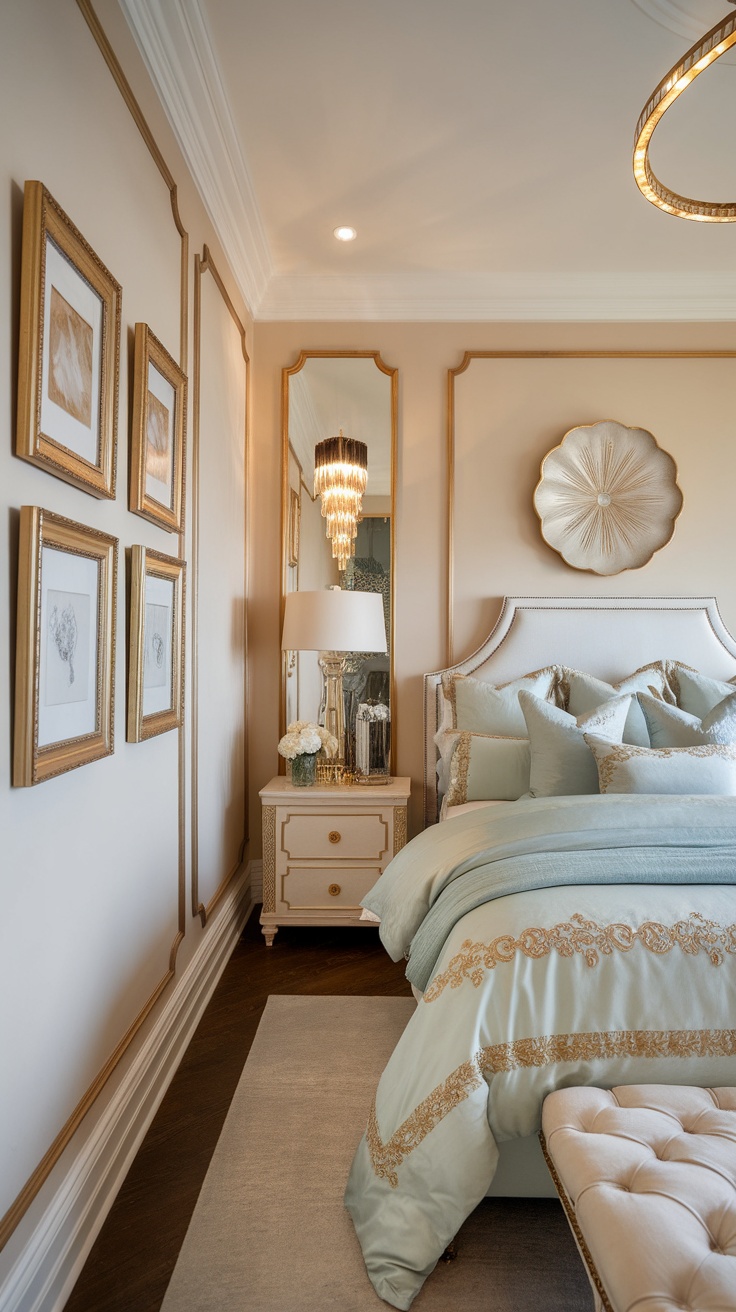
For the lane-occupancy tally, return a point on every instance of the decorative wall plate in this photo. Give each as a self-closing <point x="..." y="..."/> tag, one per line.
<point x="607" y="498"/>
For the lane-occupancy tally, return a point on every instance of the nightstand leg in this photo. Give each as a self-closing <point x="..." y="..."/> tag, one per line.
<point x="269" y="933"/>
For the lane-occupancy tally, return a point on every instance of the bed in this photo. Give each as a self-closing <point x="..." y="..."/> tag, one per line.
<point x="556" y="935"/>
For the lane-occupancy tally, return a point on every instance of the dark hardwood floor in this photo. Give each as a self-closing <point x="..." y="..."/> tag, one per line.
<point x="132" y="1259"/>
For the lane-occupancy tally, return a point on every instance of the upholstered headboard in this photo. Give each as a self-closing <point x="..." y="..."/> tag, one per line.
<point x="608" y="637"/>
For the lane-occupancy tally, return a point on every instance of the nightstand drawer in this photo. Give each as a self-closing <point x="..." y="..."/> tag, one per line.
<point x="335" y="836"/>
<point x="307" y="888"/>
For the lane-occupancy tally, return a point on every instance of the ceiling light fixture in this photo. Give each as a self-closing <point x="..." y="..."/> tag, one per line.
<point x="699" y="57"/>
<point x="349" y="234"/>
<point x="340" y="477"/>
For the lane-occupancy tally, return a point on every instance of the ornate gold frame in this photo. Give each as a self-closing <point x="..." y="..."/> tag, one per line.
<point x="44" y="219"/>
<point x="145" y="564"/>
<point x="149" y="350"/>
<point x="38" y="529"/>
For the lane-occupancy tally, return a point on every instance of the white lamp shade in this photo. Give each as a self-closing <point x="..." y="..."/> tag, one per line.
<point x="334" y="620"/>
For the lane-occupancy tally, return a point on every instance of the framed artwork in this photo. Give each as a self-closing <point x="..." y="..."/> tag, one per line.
<point x="69" y="356"/>
<point x="295" y="510"/>
<point x="65" y="647"/>
<point x="157" y="442"/>
<point x="156" y="644"/>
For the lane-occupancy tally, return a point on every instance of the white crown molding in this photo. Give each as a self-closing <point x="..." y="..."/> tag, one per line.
<point x="177" y="51"/>
<point x="503" y="297"/>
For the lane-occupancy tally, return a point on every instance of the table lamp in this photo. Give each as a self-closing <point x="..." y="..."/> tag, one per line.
<point x="334" y="622"/>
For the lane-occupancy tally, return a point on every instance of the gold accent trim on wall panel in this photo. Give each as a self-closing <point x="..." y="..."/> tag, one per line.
<point x="36" y="1180"/>
<point x="452" y="374"/>
<point x="205" y="264"/>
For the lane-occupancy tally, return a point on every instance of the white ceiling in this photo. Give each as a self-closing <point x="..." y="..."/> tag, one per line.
<point x="481" y="150"/>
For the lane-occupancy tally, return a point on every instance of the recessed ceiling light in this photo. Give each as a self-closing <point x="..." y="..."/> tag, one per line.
<point x="345" y="234"/>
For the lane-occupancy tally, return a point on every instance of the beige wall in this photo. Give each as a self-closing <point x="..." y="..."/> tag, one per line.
<point x="96" y="866"/>
<point x="509" y="416"/>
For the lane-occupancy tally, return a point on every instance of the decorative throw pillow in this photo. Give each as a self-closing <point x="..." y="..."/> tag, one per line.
<point x="478" y="707"/>
<point x="709" y="768"/>
<point x="582" y="693"/>
<point x="694" y="692"/>
<point x="561" y="761"/>
<point x="671" y="727"/>
<point x="485" y="768"/>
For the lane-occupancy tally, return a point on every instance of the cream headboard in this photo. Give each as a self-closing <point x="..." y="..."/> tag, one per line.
<point x="605" y="636"/>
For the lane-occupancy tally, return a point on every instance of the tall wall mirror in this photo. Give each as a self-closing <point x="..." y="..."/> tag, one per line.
<point x="325" y="394"/>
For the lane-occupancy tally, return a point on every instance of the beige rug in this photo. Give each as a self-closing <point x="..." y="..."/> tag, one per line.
<point x="270" y="1233"/>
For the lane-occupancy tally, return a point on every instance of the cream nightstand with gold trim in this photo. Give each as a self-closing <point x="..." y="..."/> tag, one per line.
<point x="324" y="847"/>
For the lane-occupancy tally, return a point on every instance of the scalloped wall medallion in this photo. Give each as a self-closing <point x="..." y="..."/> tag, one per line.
<point x="607" y="498"/>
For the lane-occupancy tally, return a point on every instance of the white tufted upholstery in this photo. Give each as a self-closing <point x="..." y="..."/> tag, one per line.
<point x="647" y="1174"/>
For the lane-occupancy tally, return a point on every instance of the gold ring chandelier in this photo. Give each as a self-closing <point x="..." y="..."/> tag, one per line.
<point x="699" y="57"/>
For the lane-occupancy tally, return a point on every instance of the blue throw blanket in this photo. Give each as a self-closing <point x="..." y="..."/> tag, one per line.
<point x="547" y="842"/>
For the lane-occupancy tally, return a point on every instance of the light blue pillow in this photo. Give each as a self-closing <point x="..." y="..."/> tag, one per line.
<point x="561" y="761"/>
<point x="709" y="768"/>
<point x="484" y="768"/>
<point x="583" y="692"/>
<point x="694" y="692"/>
<point x="671" y="727"/>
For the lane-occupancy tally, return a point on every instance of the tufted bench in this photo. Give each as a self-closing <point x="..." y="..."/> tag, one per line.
<point x="647" y="1177"/>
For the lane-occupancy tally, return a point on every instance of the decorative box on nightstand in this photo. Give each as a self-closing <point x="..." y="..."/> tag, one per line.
<point x="324" y="847"/>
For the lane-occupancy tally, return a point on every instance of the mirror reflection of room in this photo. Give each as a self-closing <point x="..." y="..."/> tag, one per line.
<point x="325" y="397"/>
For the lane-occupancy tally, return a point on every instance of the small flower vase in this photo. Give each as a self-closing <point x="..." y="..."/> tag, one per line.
<point x="304" y="770"/>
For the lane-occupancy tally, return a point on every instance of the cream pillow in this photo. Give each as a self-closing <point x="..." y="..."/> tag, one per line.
<point x="484" y="768"/>
<point x="694" y="692"/>
<point x="671" y="727"/>
<point x="561" y="761"/>
<point x="623" y="768"/>
<point x="581" y="693"/>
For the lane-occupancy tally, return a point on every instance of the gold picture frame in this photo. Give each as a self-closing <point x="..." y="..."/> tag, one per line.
<point x="295" y="514"/>
<point x="69" y="352"/>
<point x="156" y="644"/>
<point x="65" y="646"/>
<point x="158" y="434"/>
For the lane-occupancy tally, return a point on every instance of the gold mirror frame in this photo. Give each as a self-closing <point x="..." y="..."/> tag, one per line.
<point x="290" y="530"/>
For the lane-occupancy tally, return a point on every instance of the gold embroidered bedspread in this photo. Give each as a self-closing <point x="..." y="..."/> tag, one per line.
<point x="591" y="984"/>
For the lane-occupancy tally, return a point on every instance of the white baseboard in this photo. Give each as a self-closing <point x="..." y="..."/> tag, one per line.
<point x="85" y="1182"/>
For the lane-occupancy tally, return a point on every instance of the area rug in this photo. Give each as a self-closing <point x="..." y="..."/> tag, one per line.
<point x="270" y="1233"/>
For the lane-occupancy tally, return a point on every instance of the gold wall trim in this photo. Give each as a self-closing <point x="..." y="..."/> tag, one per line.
<point x="36" y="1180"/>
<point x="205" y="264"/>
<point x="453" y="374"/>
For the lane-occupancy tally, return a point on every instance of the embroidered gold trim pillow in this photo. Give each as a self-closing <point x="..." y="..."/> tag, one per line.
<point x="582" y="693"/>
<point x="671" y="727"/>
<point x="694" y="692"/>
<point x="486" y="768"/>
<point x="709" y="768"/>
<point x="478" y="707"/>
<point x="561" y="761"/>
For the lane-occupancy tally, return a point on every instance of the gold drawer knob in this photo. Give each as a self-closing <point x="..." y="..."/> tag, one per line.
<point x="334" y="890"/>
<point x="334" y="836"/>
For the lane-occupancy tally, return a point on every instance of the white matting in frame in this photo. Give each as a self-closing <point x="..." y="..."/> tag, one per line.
<point x="156" y="644"/>
<point x="68" y="362"/>
<point x="65" y="648"/>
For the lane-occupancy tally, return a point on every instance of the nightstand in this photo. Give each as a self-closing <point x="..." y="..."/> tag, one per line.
<point x="324" y="847"/>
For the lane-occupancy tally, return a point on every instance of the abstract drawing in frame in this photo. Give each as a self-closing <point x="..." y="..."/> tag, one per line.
<point x="156" y="644"/>
<point x="69" y="356"/>
<point x="65" y="647"/>
<point x="157" y="440"/>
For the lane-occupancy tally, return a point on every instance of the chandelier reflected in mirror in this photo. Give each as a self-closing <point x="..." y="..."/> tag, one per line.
<point x="699" y="57"/>
<point x="340" y="477"/>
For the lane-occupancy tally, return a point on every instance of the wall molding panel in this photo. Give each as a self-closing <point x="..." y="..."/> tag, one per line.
<point x="204" y="265"/>
<point x="46" y="1269"/>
